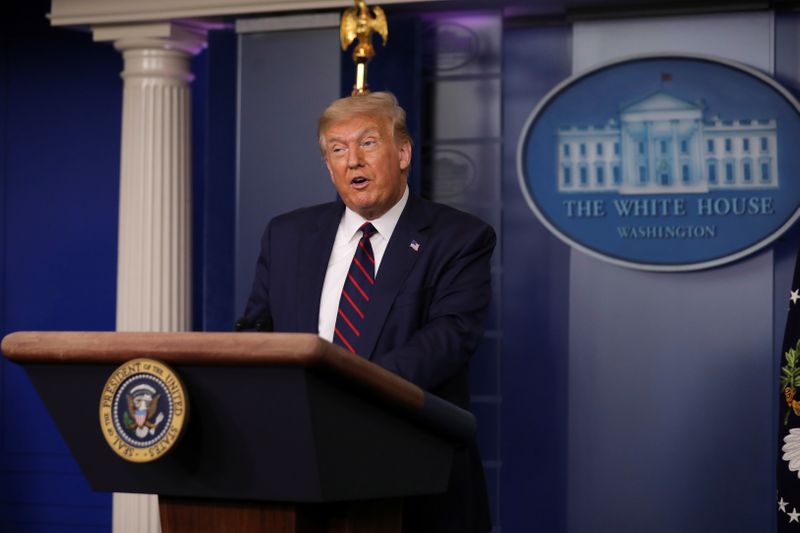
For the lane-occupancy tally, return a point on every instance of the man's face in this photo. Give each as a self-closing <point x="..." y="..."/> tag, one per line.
<point x="367" y="167"/>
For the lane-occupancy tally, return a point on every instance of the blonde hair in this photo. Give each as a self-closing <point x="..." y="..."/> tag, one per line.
<point x="378" y="104"/>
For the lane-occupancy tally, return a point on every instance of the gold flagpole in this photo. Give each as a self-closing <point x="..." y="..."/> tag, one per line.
<point x="357" y="22"/>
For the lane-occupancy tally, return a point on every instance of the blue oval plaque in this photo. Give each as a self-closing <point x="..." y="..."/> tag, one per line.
<point x="664" y="162"/>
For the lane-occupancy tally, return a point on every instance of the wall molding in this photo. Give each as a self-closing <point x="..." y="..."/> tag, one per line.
<point x="93" y="12"/>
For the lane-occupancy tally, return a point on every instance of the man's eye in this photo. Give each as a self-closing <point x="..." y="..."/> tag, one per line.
<point x="368" y="143"/>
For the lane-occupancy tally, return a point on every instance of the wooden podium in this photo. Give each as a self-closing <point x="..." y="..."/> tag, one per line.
<point x="286" y="432"/>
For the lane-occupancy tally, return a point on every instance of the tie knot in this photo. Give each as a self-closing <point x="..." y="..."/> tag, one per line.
<point x="368" y="229"/>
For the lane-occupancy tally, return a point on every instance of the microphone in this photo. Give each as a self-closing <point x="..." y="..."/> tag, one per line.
<point x="263" y="323"/>
<point x="242" y="324"/>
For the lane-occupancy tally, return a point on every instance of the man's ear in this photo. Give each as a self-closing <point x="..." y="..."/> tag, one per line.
<point x="405" y="155"/>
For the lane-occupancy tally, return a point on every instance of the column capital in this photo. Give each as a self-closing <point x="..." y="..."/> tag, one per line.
<point x="187" y="36"/>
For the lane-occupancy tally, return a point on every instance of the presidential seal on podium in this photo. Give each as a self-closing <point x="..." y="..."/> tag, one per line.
<point x="143" y="410"/>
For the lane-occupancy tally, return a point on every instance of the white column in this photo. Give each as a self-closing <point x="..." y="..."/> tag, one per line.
<point x="677" y="171"/>
<point x="154" y="249"/>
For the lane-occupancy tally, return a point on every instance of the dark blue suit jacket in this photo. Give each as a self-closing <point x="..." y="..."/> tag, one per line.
<point x="425" y="319"/>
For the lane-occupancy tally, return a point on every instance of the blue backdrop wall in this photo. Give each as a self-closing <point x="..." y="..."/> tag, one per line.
<point x="535" y="291"/>
<point x="60" y="111"/>
<point x="59" y="148"/>
<point x="617" y="383"/>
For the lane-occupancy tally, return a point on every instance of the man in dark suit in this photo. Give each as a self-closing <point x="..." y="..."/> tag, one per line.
<point x="416" y="300"/>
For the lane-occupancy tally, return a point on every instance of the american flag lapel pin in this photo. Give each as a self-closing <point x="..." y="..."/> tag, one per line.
<point x="414" y="246"/>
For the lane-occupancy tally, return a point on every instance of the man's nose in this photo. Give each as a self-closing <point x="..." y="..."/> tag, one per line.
<point x="354" y="157"/>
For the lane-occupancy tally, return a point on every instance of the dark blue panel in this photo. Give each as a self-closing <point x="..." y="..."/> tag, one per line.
<point x="492" y="489"/>
<point x="17" y="527"/>
<point x="219" y="202"/>
<point x="534" y="296"/>
<point x="484" y="367"/>
<point x="279" y="164"/>
<point x="4" y="47"/>
<point x="33" y="431"/>
<point x="53" y="490"/>
<point x="21" y="516"/>
<point x="199" y="114"/>
<point x="61" y="181"/>
<point x="60" y="107"/>
<point x="485" y="411"/>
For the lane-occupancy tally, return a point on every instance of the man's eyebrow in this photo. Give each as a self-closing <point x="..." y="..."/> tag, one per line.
<point x="359" y="135"/>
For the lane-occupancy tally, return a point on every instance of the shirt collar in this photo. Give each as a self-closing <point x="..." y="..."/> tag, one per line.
<point x="384" y="224"/>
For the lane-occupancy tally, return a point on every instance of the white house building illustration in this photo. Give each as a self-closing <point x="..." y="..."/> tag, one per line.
<point x="662" y="145"/>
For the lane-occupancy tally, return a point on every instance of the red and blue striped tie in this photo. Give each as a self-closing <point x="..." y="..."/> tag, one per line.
<point x="355" y="294"/>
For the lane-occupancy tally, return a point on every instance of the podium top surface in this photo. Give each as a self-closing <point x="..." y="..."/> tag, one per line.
<point x="210" y="349"/>
<point x="304" y="350"/>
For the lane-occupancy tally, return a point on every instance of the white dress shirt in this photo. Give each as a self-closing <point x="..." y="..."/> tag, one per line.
<point x="344" y="247"/>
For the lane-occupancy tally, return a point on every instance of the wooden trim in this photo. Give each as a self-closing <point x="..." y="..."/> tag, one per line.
<point x="204" y="348"/>
<point x="180" y="515"/>
<point x="170" y="347"/>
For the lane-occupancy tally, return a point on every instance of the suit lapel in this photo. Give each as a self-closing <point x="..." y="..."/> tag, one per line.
<point x="315" y="250"/>
<point x="398" y="260"/>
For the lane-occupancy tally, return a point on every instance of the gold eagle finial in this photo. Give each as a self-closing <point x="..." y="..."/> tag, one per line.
<point x="358" y="23"/>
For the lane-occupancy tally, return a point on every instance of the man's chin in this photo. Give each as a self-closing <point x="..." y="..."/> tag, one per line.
<point x="369" y="210"/>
